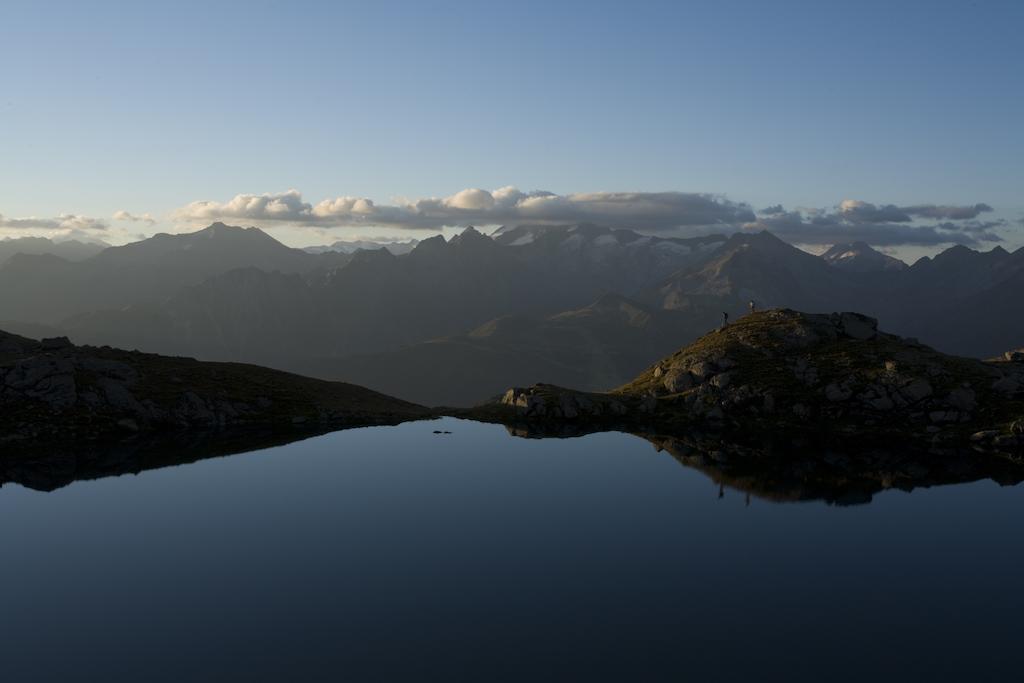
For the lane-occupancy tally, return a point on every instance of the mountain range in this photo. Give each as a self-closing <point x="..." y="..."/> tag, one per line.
<point x="397" y="247"/>
<point x="455" y="321"/>
<point x="70" y="250"/>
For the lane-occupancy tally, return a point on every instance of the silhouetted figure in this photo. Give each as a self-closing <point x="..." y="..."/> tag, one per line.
<point x="753" y="306"/>
<point x="725" y="319"/>
<point x="721" y="491"/>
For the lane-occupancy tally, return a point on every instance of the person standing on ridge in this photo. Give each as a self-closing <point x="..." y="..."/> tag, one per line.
<point x="725" y="319"/>
<point x="753" y="307"/>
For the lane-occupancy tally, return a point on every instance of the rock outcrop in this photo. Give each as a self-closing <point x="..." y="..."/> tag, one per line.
<point x="52" y="389"/>
<point x="786" y="370"/>
<point x="549" y="401"/>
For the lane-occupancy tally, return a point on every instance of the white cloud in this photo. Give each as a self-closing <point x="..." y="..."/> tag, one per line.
<point x="127" y="217"/>
<point x="63" y="222"/>
<point x="651" y="211"/>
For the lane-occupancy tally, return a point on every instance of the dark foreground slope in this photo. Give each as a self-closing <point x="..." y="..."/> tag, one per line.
<point x="53" y="390"/>
<point x="782" y="371"/>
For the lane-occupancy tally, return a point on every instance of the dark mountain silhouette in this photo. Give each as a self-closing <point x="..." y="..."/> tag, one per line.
<point x="595" y="347"/>
<point x="352" y="246"/>
<point x="374" y="301"/>
<point x="47" y="289"/>
<point x="453" y="320"/>
<point x="215" y="249"/>
<point x="245" y="315"/>
<point x="753" y="266"/>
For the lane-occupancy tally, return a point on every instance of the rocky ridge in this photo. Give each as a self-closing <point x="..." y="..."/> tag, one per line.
<point x="54" y="390"/>
<point x="786" y="370"/>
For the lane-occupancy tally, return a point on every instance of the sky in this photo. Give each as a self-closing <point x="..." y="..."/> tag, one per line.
<point x="323" y="121"/>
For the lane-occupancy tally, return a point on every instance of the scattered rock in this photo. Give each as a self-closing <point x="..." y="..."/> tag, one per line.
<point x="835" y="392"/>
<point x="858" y="326"/>
<point x="55" y="343"/>
<point x="917" y="390"/>
<point x="984" y="435"/>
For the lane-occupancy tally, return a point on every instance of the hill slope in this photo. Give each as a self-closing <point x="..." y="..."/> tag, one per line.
<point x="784" y="370"/>
<point x="55" y="390"/>
<point x="595" y="347"/>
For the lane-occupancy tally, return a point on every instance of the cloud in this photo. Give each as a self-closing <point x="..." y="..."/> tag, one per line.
<point x="955" y="213"/>
<point x="647" y="211"/>
<point x="856" y="211"/>
<point x="885" y="226"/>
<point x="134" y="218"/>
<point x="65" y="221"/>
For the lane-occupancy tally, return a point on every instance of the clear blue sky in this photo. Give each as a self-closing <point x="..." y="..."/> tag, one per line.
<point x="148" y="106"/>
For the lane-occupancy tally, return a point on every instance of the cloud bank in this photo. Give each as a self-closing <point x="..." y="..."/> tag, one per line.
<point x="68" y="222"/>
<point x="851" y="220"/>
<point x="881" y="225"/>
<point x="646" y="211"/>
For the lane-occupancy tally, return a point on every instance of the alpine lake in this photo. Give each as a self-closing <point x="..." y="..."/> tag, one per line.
<point x="451" y="550"/>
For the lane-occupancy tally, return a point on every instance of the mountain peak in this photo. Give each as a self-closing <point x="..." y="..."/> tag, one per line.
<point x="218" y="229"/>
<point x="762" y="239"/>
<point x="860" y="257"/>
<point x="431" y="245"/>
<point x="471" y="238"/>
<point x="470" y="235"/>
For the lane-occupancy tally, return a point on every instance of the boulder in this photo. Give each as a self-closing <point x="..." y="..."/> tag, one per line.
<point x="917" y="390"/>
<point x="678" y="380"/>
<point x="858" y="326"/>
<point x="55" y="343"/>
<point x="963" y="399"/>
<point x="835" y="392"/>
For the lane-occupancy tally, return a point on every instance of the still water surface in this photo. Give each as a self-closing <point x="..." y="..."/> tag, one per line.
<point x="392" y="553"/>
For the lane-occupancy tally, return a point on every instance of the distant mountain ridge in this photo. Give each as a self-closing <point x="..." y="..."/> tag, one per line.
<point x="69" y="250"/>
<point x="595" y="347"/>
<point x="351" y="246"/>
<point x="47" y="289"/>
<point x="861" y="258"/>
<point x="582" y="302"/>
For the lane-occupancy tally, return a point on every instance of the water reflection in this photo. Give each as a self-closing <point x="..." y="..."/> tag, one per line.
<point x="788" y="470"/>
<point x="399" y="554"/>
<point x="760" y="467"/>
<point x="50" y="467"/>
